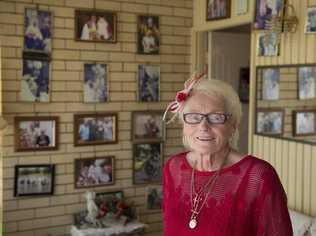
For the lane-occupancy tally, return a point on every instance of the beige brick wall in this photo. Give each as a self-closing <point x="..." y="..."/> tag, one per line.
<point x="52" y="215"/>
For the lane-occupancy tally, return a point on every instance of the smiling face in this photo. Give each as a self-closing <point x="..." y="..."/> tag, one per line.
<point x="206" y="138"/>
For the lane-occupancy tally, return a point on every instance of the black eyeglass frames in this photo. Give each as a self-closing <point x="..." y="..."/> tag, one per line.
<point x="212" y="118"/>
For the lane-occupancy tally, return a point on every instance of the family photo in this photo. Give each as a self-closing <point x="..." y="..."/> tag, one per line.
<point x="270" y="122"/>
<point x="93" y="172"/>
<point x="36" y="133"/>
<point x="270" y="84"/>
<point x="265" y="11"/>
<point x="34" y="180"/>
<point x="35" y="81"/>
<point x="217" y="9"/>
<point x="37" y="31"/>
<point x="268" y="44"/>
<point x="305" y="123"/>
<point x="147" y="163"/>
<point x="148" y="83"/>
<point x="95" y="83"/>
<point x="307" y="82"/>
<point x="148" y="35"/>
<point x="99" y="26"/>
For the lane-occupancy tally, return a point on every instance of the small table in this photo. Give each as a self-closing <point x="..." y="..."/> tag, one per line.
<point x="115" y="229"/>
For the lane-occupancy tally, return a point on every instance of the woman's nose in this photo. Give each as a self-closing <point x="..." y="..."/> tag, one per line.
<point x="204" y="125"/>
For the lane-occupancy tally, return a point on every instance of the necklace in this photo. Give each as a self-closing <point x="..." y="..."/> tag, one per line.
<point x="200" y="197"/>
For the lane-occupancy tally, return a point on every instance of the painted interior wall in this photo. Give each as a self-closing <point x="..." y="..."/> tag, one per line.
<point x="53" y="215"/>
<point x="295" y="162"/>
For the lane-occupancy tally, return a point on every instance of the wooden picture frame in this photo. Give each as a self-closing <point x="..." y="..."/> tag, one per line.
<point x="216" y="10"/>
<point x="148" y="83"/>
<point x="270" y="83"/>
<point x="95" y="88"/>
<point x="148" y="34"/>
<point x="36" y="133"/>
<point x="33" y="180"/>
<point x="95" y="26"/>
<point x="147" y="126"/>
<point x="270" y="121"/>
<point x="147" y="163"/>
<point x="304" y="122"/>
<point x="95" y="129"/>
<point x="310" y="22"/>
<point x="306" y="82"/>
<point x="94" y="172"/>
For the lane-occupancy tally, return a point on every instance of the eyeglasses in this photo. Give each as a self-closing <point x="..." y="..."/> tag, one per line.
<point x="212" y="118"/>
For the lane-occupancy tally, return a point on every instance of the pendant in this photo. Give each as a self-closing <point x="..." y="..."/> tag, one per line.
<point x="192" y="223"/>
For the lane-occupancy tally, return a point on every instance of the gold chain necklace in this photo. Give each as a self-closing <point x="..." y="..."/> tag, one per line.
<point x="197" y="202"/>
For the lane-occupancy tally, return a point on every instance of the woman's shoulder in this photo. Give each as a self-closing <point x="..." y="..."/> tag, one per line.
<point x="176" y="159"/>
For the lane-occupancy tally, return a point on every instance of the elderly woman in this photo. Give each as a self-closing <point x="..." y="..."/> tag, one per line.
<point x="212" y="190"/>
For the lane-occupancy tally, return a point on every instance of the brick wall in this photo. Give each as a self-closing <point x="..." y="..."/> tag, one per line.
<point x="52" y="215"/>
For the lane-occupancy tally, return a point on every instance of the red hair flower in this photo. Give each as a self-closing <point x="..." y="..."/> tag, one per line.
<point x="181" y="96"/>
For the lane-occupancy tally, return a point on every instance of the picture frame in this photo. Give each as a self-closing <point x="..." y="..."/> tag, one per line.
<point x="37" y="31"/>
<point x="94" y="172"/>
<point x="147" y="163"/>
<point x="304" y="122"/>
<point x="35" y="82"/>
<point x="268" y="44"/>
<point x="265" y="11"/>
<point x="310" y="22"/>
<point x="95" y="26"/>
<point x="147" y="126"/>
<point x="154" y="198"/>
<point x="270" y="83"/>
<point x="32" y="180"/>
<point x="148" y="34"/>
<point x="95" y="89"/>
<point x="243" y="87"/>
<point x="36" y="133"/>
<point x="270" y="121"/>
<point x="148" y="83"/>
<point x="241" y="7"/>
<point x="306" y="82"/>
<point x="216" y="10"/>
<point x="108" y="196"/>
<point x="95" y="129"/>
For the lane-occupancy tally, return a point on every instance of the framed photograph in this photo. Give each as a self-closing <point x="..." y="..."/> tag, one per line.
<point x="35" y="80"/>
<point x="148" y="83"/>
<point x="270" y="121"/>
<point x="268" y="44"/>
<point x="95" y="83"/>
<point x="95" y="129"/>
<point x="241" y="7"/>
<point x="154" y="197"/>
<point x="265" y="11"/>
<point x="147" y="163"/>
<point x="306" y="82"/>
<point x="102" y="197"/>
<point x="37" y="31"/>
<point x="270" y="83"/>
<point x="310" y="23"/>
<point x="38" y="133"/>
<point x="147" y="126"/>
<point x="94" y="172"/>
<point x="34" y="180"/>
<point x="95" y="26"/>
<point x="217" y="9"/>
<point x="304" y="123"/>
<point x="148" y="41"/>
<point x="243" y="88"/>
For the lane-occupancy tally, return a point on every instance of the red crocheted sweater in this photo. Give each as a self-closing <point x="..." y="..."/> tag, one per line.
<point x="247" y="199"/>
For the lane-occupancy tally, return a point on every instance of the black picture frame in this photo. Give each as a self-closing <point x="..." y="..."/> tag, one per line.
<point x="217" y="10"/>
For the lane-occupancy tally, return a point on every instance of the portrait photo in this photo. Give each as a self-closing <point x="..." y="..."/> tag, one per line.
<point x="36" y="133"/>
<point x="270" y="121"/>
<point x="217" y="9"/>
<point x="154" y="197"/>
<point x="306" y="82"/>
<point x="95" y="83"/>
<point x="265" y="11"/>
<point x="310" y="23"/>
<point x="148" y="83"/>
<point x="304" y="123"/>
<point x="94" y="172"/>
<point x="268" y="44"/>
<point x="95" y="129"/>
<point x="270" y="83"/>
<point x="34" y="180"/>
<point x="147" y="126"/>
<point x="35" y="81"/>
<point x="147" y="163"/>
<point x="96" y="26"/>
<point x="148" y="41"/>
<point x="37" y="31"/>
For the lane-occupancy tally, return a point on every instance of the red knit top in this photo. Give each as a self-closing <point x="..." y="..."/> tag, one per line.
<point x="247" y="199"/>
